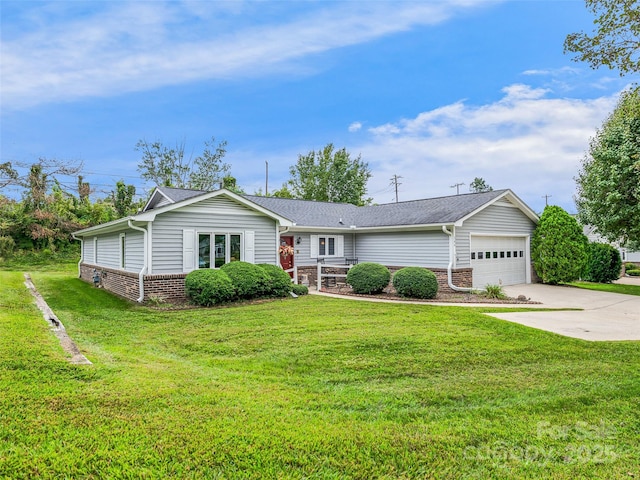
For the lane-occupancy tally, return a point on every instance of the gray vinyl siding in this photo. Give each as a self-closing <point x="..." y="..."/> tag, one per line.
<point x="109" y="250"/>
<point x="426" y="249"/>
<point x="87" y="247"/>
<point x="134" y="254"/>
<point x="217" y="215"/>
<point x="501" y="220"/>
<point x="303" y="250"/>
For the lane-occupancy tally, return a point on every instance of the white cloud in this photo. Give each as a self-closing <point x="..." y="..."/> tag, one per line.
<point x="135" y="46"/>
<point x="524" y="141"/>
<point x="355" y="126"/>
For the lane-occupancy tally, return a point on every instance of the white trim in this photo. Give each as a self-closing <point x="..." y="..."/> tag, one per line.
<point x="122" y="248"/>
<point x="95" y="250"/>
<point x="149" y="248"/>
<point x="153" y="195"/>
<point x="144" y="257"/>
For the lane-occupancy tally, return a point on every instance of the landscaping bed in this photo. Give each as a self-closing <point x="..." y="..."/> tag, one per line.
<point x="389" y="293"/>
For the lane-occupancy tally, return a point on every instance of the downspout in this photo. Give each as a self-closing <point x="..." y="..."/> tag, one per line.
<point x="81" y="253"/>
<point x="144" y="266"/>
<point x="452" y="253"/>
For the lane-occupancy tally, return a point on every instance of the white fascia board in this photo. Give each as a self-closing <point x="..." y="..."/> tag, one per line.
<point x="111" y="226"/>
<point x="512" y="197"/>
<point x="153" y="195"/>
<point x="388" y="228"/>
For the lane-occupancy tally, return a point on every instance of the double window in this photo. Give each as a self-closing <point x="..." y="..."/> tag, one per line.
<point x="323" y="246"/>
<point x="216" y="249"/>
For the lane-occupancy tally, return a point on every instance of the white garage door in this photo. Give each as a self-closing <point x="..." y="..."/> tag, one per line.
<point x="498" y="260"/>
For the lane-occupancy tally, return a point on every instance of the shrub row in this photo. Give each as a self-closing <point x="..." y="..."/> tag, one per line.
<point x="413" y="282"/>
<point x="236" y="280"/>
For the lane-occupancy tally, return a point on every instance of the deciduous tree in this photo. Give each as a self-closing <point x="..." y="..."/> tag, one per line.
<point x="616" y="40"/>
<point x="330" y="175"/>
<point x="608" y="183"/>
<point x="480" y="185"/>
<point x="168" y="166"/>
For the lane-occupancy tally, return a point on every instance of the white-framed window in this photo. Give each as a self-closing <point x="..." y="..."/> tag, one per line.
<point x="215" y="249"/>
<point x="95" y="250"/>
<point x="123" y="250"/>
<point x="327" y="246"/>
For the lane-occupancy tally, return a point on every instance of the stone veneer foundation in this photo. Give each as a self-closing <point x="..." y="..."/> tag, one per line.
<point x="461" y="277"/>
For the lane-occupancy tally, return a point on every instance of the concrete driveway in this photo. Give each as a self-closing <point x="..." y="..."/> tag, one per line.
<point x="603" y="315"/>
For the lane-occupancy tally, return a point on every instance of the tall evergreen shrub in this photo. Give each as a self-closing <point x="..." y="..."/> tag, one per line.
<point x="603" y="263"/>
<point x="558" y="247"/>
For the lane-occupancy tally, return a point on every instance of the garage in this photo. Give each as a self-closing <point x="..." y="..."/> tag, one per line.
<point x="498" y="260"/>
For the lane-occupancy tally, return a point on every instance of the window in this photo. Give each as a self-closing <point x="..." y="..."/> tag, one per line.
<point x="327" y="246"/>
<point x="473" y="255"/>
<point x="480" y="255"/>
<point x="123" y="250"/>
<point x="227" y="248"/>
<point x="95" y="250"/>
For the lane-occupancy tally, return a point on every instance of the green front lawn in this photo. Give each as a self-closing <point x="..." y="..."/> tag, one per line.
<point x="609" y="287"/>
<point x="306" y="388"/>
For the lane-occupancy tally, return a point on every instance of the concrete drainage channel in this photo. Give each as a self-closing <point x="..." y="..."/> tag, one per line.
<point x="57" y="327"/>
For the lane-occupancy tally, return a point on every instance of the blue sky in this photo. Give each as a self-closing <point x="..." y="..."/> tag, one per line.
<point x="435" y="92"/>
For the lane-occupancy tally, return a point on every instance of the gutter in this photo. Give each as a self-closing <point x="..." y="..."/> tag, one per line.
<point x="144" y="267"/>
<point x="81" y="253"/>
<point x="452" y="251"/>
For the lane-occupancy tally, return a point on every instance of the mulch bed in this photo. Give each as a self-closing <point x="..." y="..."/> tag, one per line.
<point x="442" y="297"/>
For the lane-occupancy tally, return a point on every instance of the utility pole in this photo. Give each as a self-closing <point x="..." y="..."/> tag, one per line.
<point x="546" y="199"/>
<point x="266" y="179"/>
<point x="457" y="187"/>
<point x="395" y="183"/>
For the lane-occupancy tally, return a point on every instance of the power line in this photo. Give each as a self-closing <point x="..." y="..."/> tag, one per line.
<point x="457" y="187"/>
<point x="395" y="183"/>
<point x="546" y="199"/>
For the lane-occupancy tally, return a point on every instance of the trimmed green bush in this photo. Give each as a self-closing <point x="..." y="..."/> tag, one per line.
<point x="558" y="247"/>
<point x="633" y="273"/>
<point x="415" y="282"/>
<point x="209" y="287"/>
<point x="603" y="263"/>
<point x="249" y="280"/>
<point x="300" y="289"/>
<point x="368" y="277"/>
<point x="279" y="281"/>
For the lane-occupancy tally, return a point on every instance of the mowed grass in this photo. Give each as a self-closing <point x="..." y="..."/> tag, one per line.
<point x="306" y="388"/>
<point x="609" y="287"/>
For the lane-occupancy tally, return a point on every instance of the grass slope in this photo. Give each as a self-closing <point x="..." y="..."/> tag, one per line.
<point x="306" y="388"/>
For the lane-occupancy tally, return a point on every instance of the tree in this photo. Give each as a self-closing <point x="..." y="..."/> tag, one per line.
<point x="122" y="199"/>
<point x="558" y="247"/>
<point x="330" y="176"/>
<point x="616" y="41"/>
<point x="479" y="185"/>
<point x="168" y="167"/>
<point x="608" y="183"/>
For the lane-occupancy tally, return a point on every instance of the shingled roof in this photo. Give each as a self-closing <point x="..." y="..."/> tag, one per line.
<point x="308" y="213"/>
<point x="431" y="211"/>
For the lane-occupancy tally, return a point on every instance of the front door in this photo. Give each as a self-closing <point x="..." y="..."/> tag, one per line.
<point x="286" y="253"/>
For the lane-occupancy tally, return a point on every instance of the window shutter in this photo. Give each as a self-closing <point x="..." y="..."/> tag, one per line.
<point x="249" y="246"/>
<point x="188" y="250"/>
<point x="314" y="246"/>
<point x="339" y="245"/>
